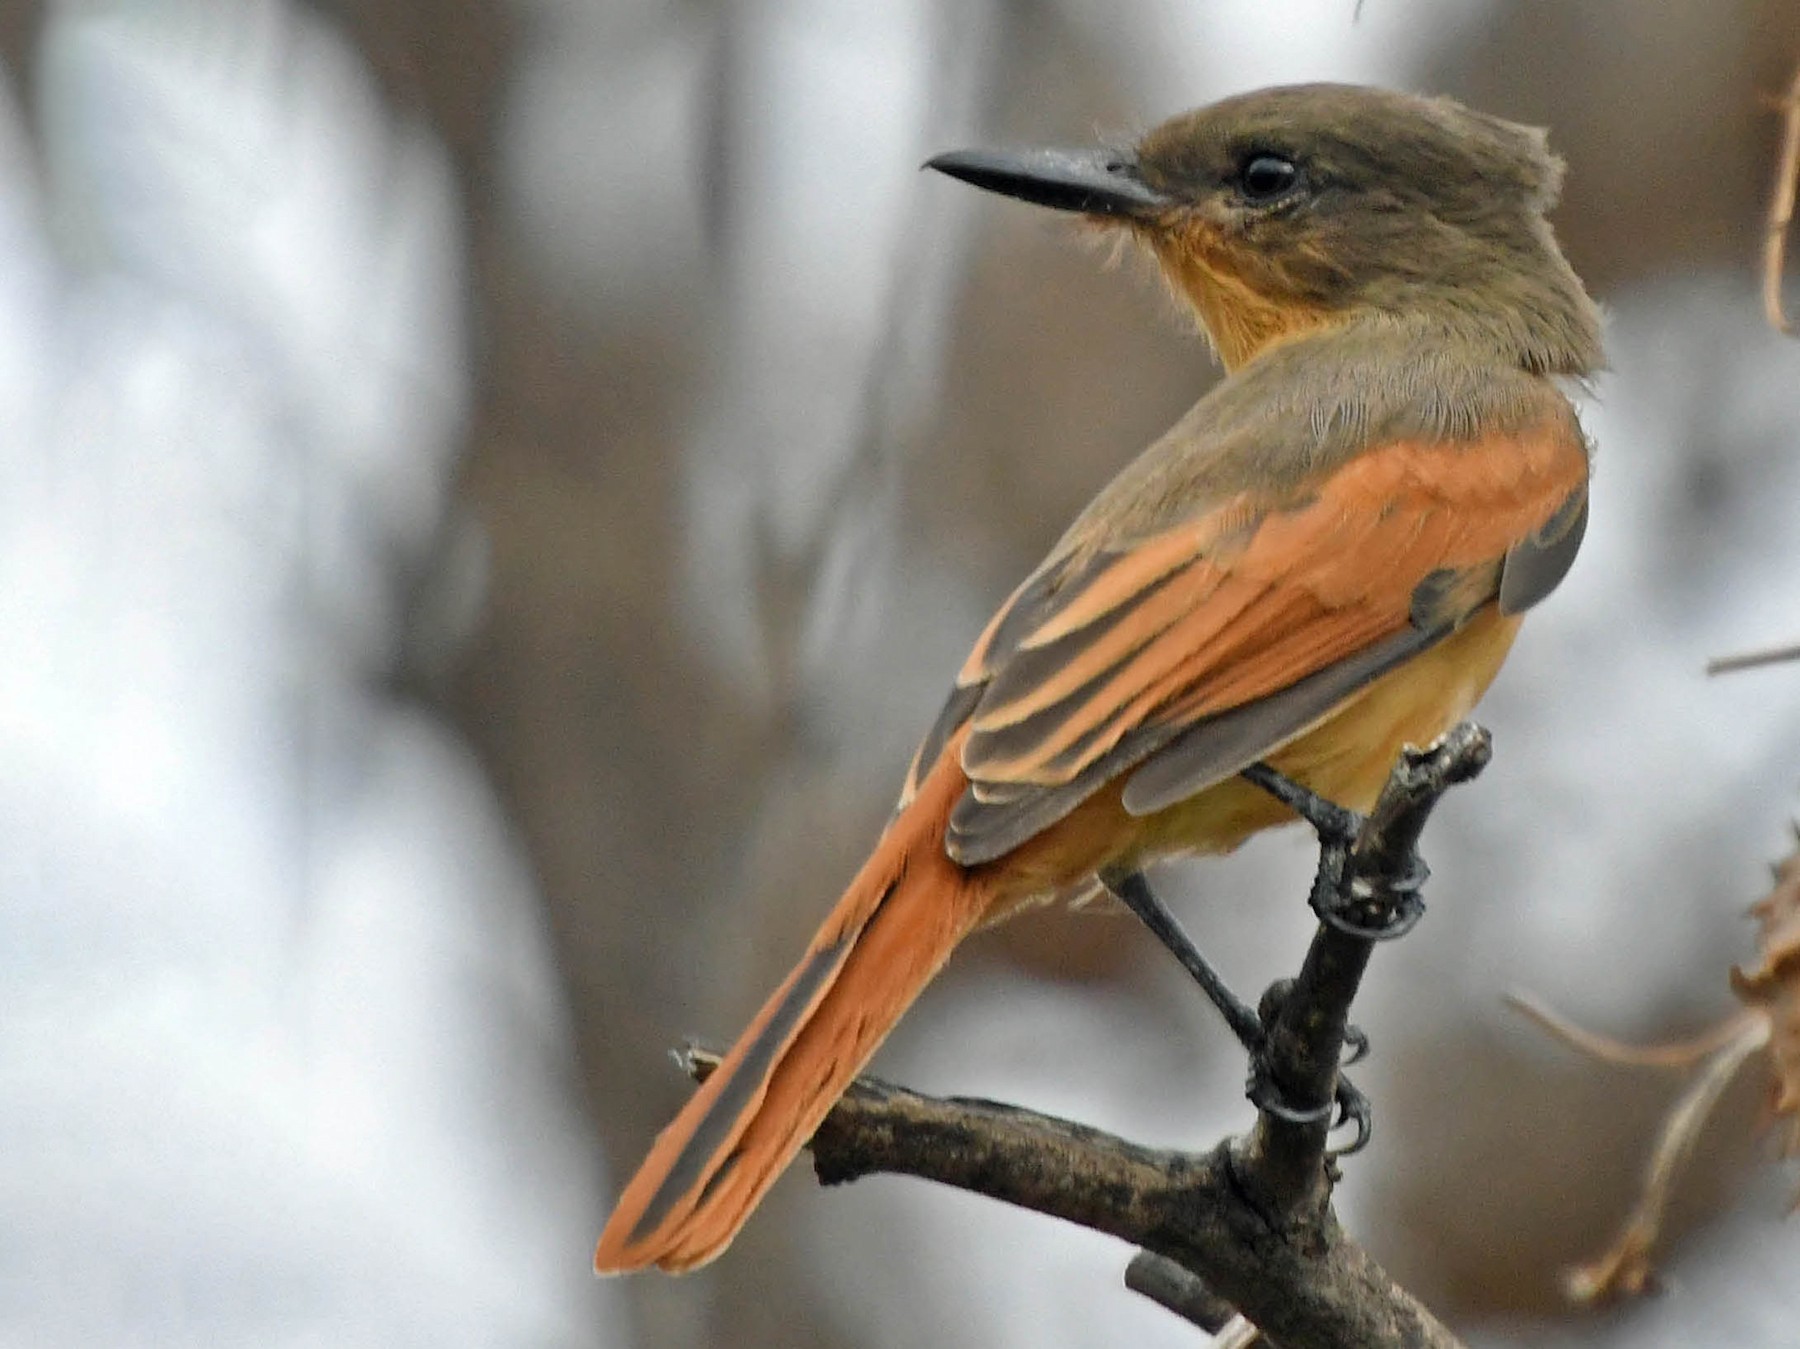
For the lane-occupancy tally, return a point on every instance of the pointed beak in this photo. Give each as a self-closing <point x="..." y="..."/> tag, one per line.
<point x="1093" y="182"/>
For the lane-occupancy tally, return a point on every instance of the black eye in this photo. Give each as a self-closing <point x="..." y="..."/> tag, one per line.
<point x="1263" y="178"/>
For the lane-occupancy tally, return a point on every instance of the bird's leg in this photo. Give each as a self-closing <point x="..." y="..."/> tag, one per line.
<point x="1336" y="826"/>
<point x="1132" y="890"/>
<point x="1247" y="1023"/>
<point x="1355" y="905"/>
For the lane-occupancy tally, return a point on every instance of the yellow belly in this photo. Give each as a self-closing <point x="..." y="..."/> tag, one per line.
<point x="1347" y="757"/>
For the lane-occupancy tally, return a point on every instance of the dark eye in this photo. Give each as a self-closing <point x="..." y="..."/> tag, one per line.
<point x="1263" y="178"/>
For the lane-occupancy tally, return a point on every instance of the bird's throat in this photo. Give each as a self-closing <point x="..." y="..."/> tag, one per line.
<point x="1241" y="320"/>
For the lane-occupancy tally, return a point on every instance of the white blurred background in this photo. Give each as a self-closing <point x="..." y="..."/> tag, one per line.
<point x="489" y="496"/>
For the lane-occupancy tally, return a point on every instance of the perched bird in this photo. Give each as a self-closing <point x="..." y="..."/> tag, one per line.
<point x="1326" y="558"/>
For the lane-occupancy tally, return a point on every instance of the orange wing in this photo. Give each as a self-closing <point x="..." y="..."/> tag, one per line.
<point x="1205" y="646"/>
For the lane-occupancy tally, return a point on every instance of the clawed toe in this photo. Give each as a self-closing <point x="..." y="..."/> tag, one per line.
<point x="1348" y="1106"/>
<point x="1353" y="1108"/>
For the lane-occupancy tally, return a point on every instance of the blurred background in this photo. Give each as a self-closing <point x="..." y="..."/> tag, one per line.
<point x="490" y="495"/>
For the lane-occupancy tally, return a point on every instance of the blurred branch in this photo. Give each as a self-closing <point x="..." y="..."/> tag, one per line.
<point x="1675" y="1054"/>
<point x="855" y="492"/>
<point x="1624" y="1268"/>
<point x="1751" y="660"/>
<point x="1247" y="1227"/>
<point x="1767" y="1025"/>
<point x="1781" y="208"/>
<point x="1185" y="1293"/>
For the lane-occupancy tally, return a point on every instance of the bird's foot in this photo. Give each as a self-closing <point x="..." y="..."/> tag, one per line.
<point x="1358" y="906"/>
<point x="1371" y="910"/>
<point x="1348" y="1105"/>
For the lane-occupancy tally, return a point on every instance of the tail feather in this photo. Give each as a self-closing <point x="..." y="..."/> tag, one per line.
<point x="889" y="934"/>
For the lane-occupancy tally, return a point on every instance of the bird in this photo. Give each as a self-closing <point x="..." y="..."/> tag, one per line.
<point x="1326" y="558"/>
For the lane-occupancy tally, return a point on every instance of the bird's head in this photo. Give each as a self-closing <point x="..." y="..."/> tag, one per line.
<point x="1287" y="210"/>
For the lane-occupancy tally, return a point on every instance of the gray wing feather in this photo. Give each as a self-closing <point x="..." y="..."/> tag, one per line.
<point x="1212" y="750"/>
<point x="1536" y="566"/>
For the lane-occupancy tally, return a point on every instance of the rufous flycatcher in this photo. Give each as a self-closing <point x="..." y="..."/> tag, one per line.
<point x="1325" y="559"/>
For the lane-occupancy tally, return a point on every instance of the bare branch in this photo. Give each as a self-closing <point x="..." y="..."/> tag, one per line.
<point x="1050" y="1165"/>
<point x="1241" y="1239"/>
<point x="1308" y="1285"/>
<point x="1305" y="1020"/>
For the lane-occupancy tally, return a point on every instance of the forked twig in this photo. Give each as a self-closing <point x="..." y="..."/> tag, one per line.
<point x="1624" y="1268"/>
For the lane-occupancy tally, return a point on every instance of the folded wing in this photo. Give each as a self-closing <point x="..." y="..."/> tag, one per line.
<point x="1190" y="653"/>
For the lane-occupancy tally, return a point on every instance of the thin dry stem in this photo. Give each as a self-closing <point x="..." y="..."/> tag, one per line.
<point x="1751" y="660"/>
<point x="1781" y="209"/>
<point x="1624" y="1269"/>
<point x="1675" y="1054"/>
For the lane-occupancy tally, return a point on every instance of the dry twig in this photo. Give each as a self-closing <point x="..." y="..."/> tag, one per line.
<point x="1768" y="1025"/>
<point x="1781" y="208"/>
<point x="1675" y="1054"/>
<point x="1183" y="1292"/>
<point x="1624" y="1268"/>
<point x="1751" y="660"/>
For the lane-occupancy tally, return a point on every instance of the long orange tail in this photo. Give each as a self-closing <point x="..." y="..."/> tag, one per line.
<point x="889" y="934"/>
